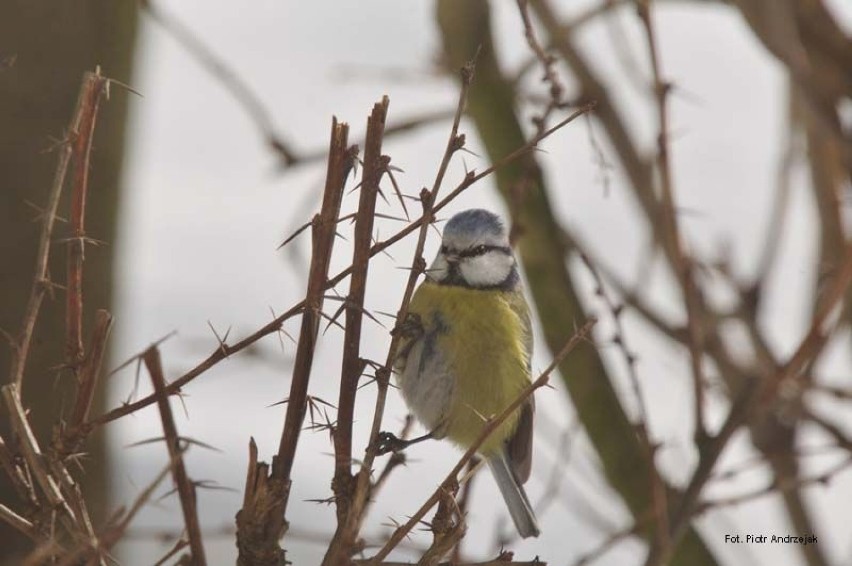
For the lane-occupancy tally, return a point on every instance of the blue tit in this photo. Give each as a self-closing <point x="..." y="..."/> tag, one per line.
<point x="470" y="356"/>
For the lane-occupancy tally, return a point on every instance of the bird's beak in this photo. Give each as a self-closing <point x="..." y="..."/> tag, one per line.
<point x="452" y="259"/>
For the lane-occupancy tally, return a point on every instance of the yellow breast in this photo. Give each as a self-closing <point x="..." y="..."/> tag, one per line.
<point x="483" y="339"/>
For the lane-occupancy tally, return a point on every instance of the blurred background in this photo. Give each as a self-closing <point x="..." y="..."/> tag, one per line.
<point x="192" y="201"/>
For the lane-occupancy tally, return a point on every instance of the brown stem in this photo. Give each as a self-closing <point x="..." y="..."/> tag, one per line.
<point x="348" y="513"/>
<point x="81" y="142"/>
<point x="185" y="487"/>
<point x="752" y="396"/>
<point x="92" y="86"/>
<point x="224" y="351"/>
<point x="324" y="235"/>
<point x="261" y="521"/>
<point x="89" y="374"/>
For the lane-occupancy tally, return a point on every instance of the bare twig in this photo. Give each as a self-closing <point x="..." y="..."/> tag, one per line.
<point x="657" y="484"/>
<point x="111" y="535"/>
<point x="228" y="78"/>
<point x="464" y="502"/>
<point x="32" y="453"/>
<point x="823" y="478"/>
<point x="548" y="64"/>
<point x="261" y="521"/>
<point x="273" y="326"/>
<point x="607" y="544"/>
<point x="763" y="396"/>
<point x="682" y="264"/>
<point x="16" y="475"/>
<point x="90" y="370"/>
<point x="185" y="487"/>
<point x="19" y="523"/>
<point x="427" y="199"/>
<point x="81" y="142"/>
<point x="82" y="121"/>
<point x="348" y="511"/>
<point x="323" y="229"/>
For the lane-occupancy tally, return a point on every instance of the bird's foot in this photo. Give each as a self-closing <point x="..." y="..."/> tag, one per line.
<point x="388" y="442"/>
<point x="411" y="327"/>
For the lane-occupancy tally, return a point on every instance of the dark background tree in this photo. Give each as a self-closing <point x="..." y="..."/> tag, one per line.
<point x="44" y="49"/>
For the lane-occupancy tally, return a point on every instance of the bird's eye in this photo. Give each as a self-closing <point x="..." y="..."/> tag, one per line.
<point x="480" y="249"/>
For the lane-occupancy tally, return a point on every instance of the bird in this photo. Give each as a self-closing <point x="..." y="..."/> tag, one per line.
<point x="465" y="353"/>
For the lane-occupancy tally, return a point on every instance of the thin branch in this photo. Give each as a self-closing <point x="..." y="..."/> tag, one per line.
<point x="682" y="264"/>
<point x="348" y="511"/>
<point x="32" y="452"/>
<point x="657" y="484"/>
<point x="760" y="396"/>
<point x="228" y="78"/>
<point x="81" y="142"/>
<point x="791" y="484"/>
<point x="608" y="544"/>
<point x="185" y="488"/>
<point x="19" y="523"/>
<point x="88" y="376"/>
<point x="339" y="165"/>
<point x="91" y="87"/>
<point x="548" y="64"/>
<point x="261" y="521"/>
<point x="427" y="200"/>
<point x="275" y="325"/>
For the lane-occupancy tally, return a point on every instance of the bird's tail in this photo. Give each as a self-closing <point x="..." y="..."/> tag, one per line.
<point x="514" y="495"/>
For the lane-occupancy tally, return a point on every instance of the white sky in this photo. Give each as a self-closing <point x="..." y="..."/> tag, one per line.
<point x="206" y="206"/>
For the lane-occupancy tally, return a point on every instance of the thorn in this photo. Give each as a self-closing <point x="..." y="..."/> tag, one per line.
<point x="296" y="233"/>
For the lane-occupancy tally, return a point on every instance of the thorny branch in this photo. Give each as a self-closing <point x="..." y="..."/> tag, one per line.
<point x="82" y="144"/>
<point x="683" y="267"/>
<point x="226" y="350"/>
<point x="548" y="64"/>
<point x="185" y="487"/>
<point x="74" y="149"/>
<point x="349" y="508"/>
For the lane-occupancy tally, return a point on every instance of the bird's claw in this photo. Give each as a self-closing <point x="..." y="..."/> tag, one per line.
<point x="388" y="442"/>
<point x="411" y="327"/>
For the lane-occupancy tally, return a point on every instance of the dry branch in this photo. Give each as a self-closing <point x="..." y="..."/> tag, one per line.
<point x="223" y="351"/>
<point x="323" y="238"/>
<point x="349" y="514"/>
<point x="760" y="396"/>
<point x="681" y="262"/>
<point x="72" y="434"/>
<point x="227" y="77"/>
<point x="77" y="140"/>
<point x="81" y="142"/>
<point x="261" y="521"/>
<point x="185" y="487"/>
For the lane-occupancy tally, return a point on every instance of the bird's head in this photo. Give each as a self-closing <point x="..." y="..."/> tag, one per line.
<point x="474" y="252"/>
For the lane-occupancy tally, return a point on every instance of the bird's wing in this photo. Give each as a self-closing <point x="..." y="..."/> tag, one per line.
<point x="519" y="446"/>
<point x="412" y="332"/>
<point x="422" y="368"/>
<point x="519" y="306"/>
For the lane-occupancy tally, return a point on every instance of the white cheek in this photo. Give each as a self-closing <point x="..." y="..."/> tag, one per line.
<point x="439" y="269"/>
<point x="487" y="270"/>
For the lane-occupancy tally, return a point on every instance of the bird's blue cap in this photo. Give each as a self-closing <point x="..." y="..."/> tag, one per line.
<point x="476" y="224"/>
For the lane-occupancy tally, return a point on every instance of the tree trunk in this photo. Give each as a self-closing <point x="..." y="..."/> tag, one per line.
<point x="45" y="47"/>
